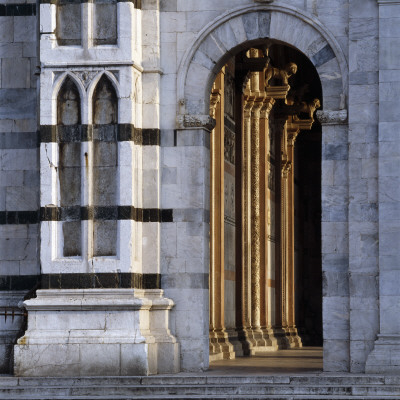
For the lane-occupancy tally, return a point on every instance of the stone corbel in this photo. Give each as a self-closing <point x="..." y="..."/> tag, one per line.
<point x="215" y="98"/>
<point x="277" y="92"/>
<point x="332" y="117"/>
<point x="195" y="122"/>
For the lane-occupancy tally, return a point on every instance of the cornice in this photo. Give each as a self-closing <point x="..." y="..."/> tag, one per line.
<point x="388" y="2"/>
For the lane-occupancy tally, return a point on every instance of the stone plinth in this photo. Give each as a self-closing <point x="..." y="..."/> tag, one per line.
<point x="385" y="358"/>
<point x="96" y="332"/>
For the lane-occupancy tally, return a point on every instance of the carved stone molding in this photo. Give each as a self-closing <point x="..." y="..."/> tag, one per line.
<point x="277" y="92"/>
<point x="86" y="76"/>
<point x="330" y="117"/>
<point x="195" y="121"/>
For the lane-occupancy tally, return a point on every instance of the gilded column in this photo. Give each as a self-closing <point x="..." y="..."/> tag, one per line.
<point x="280" y="230"/>
<point x="246" y="206"/>
<point x="214" y="222"/>
<point x="219" y="343"/>
<point x="255" y="214"/>
<point x="265" y="200"/>
<point x="285" y="168"/>
<point x="294" y="339"/>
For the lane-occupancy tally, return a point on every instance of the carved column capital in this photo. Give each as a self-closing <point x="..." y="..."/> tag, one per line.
<point x="286" y="168"/>
<point x="292" y="136"/>
<point x="266" y="109"/>
<point x="248" y="105"/>
<point x="256" y="109"/>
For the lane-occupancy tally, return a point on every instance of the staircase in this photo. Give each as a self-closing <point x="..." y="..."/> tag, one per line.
<point x="185" y="386"/>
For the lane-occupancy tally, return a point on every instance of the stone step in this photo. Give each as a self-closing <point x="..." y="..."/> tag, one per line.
<point x="316" y="380"/>
<point x="203" y="387"/>
<point x="205" y="397"/>
<point x="198" y="390"/>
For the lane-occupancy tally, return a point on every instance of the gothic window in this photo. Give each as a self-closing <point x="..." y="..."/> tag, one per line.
<point x="68" y="115"/>
<point x="68" y="104"/>
<point x="105" y="104"/>
<point x="105" y="164"/>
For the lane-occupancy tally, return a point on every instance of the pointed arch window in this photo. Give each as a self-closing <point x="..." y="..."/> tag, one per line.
<point x="68" y="104"/>
<point x="105" y="165"/>
<point x="69" y="171"/>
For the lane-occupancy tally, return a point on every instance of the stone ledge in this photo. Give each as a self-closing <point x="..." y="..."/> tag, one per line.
<point x="332" y="117"/>
<point x="195" y="121"/>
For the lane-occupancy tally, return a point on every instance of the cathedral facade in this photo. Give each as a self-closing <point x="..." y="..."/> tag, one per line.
<point x="184" y="181"/>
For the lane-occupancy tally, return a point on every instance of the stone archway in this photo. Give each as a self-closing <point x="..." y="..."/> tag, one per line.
<point x="239" y="29"/>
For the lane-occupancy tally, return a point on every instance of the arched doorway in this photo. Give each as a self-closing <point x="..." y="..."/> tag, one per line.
<point x="265" y="247"/>
<point x="227" y="36"/>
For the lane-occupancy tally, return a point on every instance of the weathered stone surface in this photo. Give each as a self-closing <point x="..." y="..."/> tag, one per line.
<point x="69" y="18"/>
<point x="17" y="103"/>
<point x="105" y="23"/>
<point x="162" y="61"/>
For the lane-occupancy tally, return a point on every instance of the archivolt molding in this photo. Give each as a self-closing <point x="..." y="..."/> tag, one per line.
<point x="279" y="7"/>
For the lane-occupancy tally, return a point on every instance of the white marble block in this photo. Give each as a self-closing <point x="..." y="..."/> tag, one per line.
<point x="93" y="332"/>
